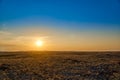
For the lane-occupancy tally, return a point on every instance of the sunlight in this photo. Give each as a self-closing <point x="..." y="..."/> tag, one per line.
<point x="39" y="43"/>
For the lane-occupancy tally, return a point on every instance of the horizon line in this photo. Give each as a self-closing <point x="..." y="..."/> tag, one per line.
<point x="64" y="51"/>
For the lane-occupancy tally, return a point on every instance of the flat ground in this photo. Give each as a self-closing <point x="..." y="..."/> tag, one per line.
<point x="59" y="65"/>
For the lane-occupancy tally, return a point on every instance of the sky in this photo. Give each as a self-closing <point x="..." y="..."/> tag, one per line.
<point x="63" y="25"/>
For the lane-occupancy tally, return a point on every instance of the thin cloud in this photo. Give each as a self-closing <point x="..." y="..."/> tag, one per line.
<point x="10" y="41"/>
<point x="5" y="33"/>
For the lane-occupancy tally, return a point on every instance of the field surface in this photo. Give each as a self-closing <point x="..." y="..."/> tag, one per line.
<point x="59" y="65"/>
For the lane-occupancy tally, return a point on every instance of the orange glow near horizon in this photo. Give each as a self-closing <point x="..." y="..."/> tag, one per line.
<point x="54" y="40"/>
<point x="39" y="43"/>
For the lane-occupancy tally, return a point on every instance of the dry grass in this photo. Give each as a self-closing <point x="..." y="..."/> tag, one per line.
<point x="60" y="66"/>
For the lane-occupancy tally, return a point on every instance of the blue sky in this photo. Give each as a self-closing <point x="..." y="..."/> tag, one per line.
<point x="96" y="16"/>
<point x="90" y="11"/>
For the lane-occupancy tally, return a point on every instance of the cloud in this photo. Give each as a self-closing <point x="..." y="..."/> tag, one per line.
<point x="5" y="33"/>
<point x="11" y="41"/>
<point x="30" y="37"/>
<point x="8" y="45"/>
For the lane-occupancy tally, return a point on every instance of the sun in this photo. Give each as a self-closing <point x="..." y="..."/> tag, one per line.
<point x="39" y="43"/>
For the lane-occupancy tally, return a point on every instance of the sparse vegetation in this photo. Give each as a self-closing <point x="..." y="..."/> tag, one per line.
<point x="59" y="66"/>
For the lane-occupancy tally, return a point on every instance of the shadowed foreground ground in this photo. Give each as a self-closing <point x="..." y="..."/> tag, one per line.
<point x="59" y="65"/>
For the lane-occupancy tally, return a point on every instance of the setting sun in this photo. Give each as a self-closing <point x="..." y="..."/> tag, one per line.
<point x="39" y="43"/>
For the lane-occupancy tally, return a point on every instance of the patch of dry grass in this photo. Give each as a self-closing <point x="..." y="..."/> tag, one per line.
<point x="60" y="66"/>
